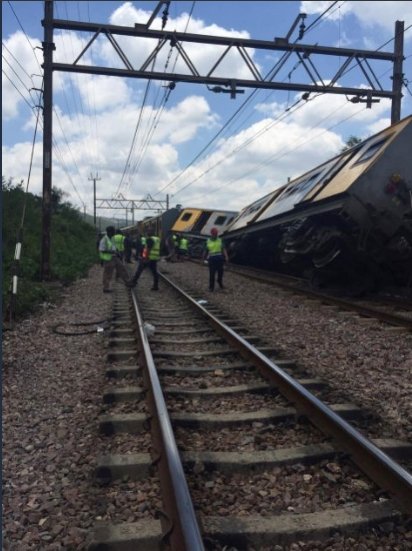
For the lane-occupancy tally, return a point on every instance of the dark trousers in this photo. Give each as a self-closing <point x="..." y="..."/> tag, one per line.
<point x="215" y="267"/>
<point x="152" y="265"/>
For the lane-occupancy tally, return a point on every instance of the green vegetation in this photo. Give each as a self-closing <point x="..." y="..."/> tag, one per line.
<point x="351" y="142"/>
<point x="72" y="245"/>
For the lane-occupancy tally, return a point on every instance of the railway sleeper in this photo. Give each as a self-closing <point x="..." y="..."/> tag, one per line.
<point x="135" y="422"/>
<point x="130" y="393"/>
<point x="253" y="531"/>
<point x="119" y="371"/>
<point x="136" y="466"/>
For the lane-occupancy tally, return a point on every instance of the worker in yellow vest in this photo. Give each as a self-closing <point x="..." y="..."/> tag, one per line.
<point x="110" y="260"/>
<point x="183" y="251"/>
<point x="118" y="239"/>
<point x="216" y="255"/>
<point x="149" y="258"/>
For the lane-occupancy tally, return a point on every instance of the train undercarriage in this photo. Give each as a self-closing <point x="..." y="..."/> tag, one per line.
<point x="330" y="254"/>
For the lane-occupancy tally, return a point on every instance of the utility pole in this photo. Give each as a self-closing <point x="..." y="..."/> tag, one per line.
<point x="48" y="47"/>
<point x="397" y="76"/>
<point x="94" y="178"/>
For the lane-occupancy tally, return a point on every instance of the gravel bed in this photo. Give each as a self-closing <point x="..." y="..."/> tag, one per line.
<point x="370" y="362"/>
<point x="296" y="489"/>
<point x="128" y="501"/>
<point x="214" y="379"/>
<point x="123" y="443"/>
<point x="52" y="400"/>
<point x="281" y="435"/>
<point x="226" y="404"/>
<point x="130" y="406"/>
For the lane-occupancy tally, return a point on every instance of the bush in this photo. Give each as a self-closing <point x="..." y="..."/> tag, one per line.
<point x="72" y="245"/>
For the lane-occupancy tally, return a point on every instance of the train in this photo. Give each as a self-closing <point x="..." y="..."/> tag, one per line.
<point x="347" y="221"/>
<point x="193" y="223"/>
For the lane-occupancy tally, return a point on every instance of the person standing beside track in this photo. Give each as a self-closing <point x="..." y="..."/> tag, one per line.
<point x="216" y="255"/>
<point x="110" y="259"/>
<point x="149" y="258"/>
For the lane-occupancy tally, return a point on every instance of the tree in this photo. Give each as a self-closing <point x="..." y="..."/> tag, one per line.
<point x="351" y="142"/>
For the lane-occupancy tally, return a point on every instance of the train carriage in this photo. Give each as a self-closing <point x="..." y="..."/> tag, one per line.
<point x="349" y="218"/>
<point x="161" y="224"/>
<point x="195" y="224"/>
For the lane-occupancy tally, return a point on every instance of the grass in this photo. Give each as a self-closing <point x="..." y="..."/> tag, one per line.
<point x="72" y="247"/>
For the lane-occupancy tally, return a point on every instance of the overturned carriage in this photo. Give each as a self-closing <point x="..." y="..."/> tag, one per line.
<point x="348" y="220"/>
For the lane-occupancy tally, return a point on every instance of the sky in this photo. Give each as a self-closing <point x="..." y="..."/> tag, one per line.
<point x="189" y="145"/>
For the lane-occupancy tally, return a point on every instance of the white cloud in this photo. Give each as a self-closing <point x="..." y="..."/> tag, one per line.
<point x="99" y="115"/>
<point x="22" y="68"/>
<point x="384" y="13"/>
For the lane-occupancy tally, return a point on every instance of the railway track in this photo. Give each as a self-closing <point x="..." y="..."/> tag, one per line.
<point x="394" y="311"/>
<point x="240" y="447"/>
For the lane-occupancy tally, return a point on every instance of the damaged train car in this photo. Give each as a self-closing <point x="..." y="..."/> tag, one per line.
<point x="195" y="224"/>
<point x="348" y="220"/>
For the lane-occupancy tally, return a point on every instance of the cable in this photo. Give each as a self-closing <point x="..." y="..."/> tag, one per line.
<point x="276" y="156"/>
<point x="160" y="111"/>
<point x="25" y="34"/>
<point x="55" y="329"/>
<point x="270" y="75"/>
<point x="217" y="164"/>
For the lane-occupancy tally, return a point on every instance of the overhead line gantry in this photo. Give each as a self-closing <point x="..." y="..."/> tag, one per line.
<point x="354" y="58"/>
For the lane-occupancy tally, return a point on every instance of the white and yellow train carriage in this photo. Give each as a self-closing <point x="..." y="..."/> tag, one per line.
<point x="349" y="217"/>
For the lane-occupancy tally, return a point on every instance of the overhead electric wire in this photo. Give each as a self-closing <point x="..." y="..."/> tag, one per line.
<point x="269" y="76"/>
<point x="25" y="34"/>
<point x="282" y="116"/>
<point x="160" y="110"/>
<point x="208" y="170"/>
<point x="276" y="156"/>
<point x="14" y="86"/>
<point x="77" y="98"/>
<point x="54" y="143"/>
<point x="133" y="145"/>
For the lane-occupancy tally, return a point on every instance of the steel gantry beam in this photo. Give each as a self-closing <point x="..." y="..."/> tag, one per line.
<point x="225" y="46"/>
<point x="305" y="54"/>
<point x="131" y="204"/>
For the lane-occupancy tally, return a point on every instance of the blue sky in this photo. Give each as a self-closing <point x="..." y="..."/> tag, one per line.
<point x="96" y="117"/>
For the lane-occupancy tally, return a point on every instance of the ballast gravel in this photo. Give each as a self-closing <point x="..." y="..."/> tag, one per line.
<point x="370" y="362"/>
<point x="52" y="400"/>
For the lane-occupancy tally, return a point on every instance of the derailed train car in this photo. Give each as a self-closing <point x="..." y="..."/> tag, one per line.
<point x="195" y="224"/>
<point x="349" y="219"/>
<point x="160" y="224"/>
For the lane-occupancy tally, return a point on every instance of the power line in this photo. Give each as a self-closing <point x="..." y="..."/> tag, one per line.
<point x="270" y="75"/>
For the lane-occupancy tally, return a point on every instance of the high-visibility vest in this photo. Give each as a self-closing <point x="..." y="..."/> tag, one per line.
<point x="154" y="252"/>
<point x="107" y="255"/>
<point x="214" y="246"/>
<point x="143" y="241"/>
<point x="184" y="244"/>
<point x="119" y="242"/>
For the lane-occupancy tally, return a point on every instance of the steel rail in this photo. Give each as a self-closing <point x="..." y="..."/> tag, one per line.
<point x="377" y="465"/>
<point x="183" y="532"/>
<point x="342" y="303"/>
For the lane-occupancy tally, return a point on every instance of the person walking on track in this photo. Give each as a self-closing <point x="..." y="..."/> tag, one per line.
<point x="216" y="255"/>
<point x="110" y="259"/>
<point x="149" y="259"/>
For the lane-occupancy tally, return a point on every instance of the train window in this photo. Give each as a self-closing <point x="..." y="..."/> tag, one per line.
<point x="301" y="186"/>
<point x="220" y="220"/>
<point x="187" y="216"/>
<point x="371" y="150"/>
